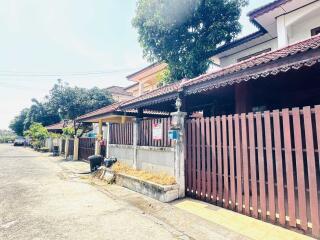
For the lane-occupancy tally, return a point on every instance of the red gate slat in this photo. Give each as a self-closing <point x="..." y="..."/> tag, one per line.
<point x="245" y="163"/>
<point x="208" y="158"/>
<point x="262" y="181"/>
<point x="225" y="162"/>
<point x="253" y="166"/>
<point x="289" y="167"/>
<point x="198" y="169"/>
<point x="300" y="169"/>
<point x="314" y="204"/>
<point x="203" y="160"/>
<point x="238" y="162"/>
<point x="220" y="190"/>
<point x="189" y="158"/>
<point x="214" y="160"/>
<point x="194" y="158"/>
<point x="268" y="138"/>
<point x="279" y="167"/>
<point x="231" y="157"/>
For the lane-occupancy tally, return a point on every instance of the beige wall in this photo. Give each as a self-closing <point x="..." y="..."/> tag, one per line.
<point x="147" y="79"/>
<point x="120" y="97"/>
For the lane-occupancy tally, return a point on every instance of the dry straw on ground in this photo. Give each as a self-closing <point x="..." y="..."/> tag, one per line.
<point x="159" y="178"/>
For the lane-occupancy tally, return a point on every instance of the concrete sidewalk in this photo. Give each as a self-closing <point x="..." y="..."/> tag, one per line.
<point x="195" y="219"/>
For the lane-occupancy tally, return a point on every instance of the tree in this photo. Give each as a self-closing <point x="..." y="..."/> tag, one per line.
<point x="17" y="124"/>
<point x="72" y="102"/>
<point x="40" y="112"/>
<point x="184" y="33"/>
<point x="63" y="102"/>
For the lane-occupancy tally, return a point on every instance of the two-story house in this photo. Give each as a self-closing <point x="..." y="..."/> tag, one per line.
<point x="279" y="24"/>
<point x="146" y="79"/>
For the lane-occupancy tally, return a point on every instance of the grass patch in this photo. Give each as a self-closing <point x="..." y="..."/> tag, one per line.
<point x="159" y="178"/>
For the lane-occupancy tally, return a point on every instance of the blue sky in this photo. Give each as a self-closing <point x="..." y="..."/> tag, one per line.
<point x="64" y="38"/>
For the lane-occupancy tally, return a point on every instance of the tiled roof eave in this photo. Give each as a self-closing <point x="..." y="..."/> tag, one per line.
<point x="299" y="53"/>
<point x="150" y="101"/>
<point x="217" y="83"/>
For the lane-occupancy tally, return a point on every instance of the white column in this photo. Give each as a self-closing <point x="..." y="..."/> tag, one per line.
<point x="282" y="32"/>
<point x="135" y="141"/>
<point x="107" y="138"/>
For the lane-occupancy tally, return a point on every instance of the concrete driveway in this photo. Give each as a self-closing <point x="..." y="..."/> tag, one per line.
<point x="42" y="197"/>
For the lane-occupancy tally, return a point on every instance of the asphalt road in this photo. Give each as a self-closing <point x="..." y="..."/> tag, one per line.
<point x="40" y="199"/>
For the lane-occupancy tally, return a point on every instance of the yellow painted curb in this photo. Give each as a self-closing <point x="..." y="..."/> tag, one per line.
<point x="246" y="226"/>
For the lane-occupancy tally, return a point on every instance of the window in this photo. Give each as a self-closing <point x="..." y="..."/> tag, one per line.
<point x="253" y="55"/>
<point x="315" y="31"/>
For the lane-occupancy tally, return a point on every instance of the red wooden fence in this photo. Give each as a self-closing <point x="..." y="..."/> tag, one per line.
<point x="121" y="133"/>
<point x="86" y="147"/>
<point x="265" y="165"/>
<point x="145" y="133"/>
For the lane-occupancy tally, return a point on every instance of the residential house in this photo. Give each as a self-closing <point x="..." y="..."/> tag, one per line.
<point x="280" y="23"/>
<point x="119" y="94"/>
<point x="256" y="148"/>
<point x="146" y="79"/>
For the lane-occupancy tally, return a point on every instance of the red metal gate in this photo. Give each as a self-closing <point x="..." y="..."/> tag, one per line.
<point x="265" y="165"/>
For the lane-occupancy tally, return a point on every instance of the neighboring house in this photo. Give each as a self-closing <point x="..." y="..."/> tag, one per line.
<point x="119" y="94"/>
<point x="58" y="127"/>
<point x="146" y="79"/>
<point x="280" y="23"/>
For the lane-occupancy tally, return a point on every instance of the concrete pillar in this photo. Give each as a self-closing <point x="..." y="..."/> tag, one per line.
<point x="60" y="146"/>
<point x="282" y="32"/>
<point x="135" y="141"/>
<point x="66" y="148"/>
<point x="180" y="152"/>
<point x="97" y="149"/>
<point x="76" y="149"/>
<point x="100" y="133"/>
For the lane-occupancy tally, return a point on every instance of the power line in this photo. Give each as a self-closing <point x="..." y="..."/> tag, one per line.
<point x="25" y="74"/>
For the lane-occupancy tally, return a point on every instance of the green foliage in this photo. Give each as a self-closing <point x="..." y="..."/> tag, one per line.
<point x="63" y="102"/>
<point x="72" y="102"/>
<point x="164" y="78"/>
<point x="184" y="33"/>
<point x="54" y="135"/>
<point x="17" y="124"/>
<point x="38" y="133"/>
<point x="68" y="132"/>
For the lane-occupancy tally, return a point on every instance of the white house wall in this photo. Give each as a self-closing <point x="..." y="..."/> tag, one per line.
<point x="231" y="59"/>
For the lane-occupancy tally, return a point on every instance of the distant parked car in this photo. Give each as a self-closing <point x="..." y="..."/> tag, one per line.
<point x="19" y="141"/>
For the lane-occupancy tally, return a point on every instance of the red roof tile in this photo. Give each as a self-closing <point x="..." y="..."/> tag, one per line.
<point x="311" y="43"/>
<point x="104" y="110"/>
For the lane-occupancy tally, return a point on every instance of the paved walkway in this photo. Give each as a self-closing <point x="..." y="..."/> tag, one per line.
<point x="42" y="197"/>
